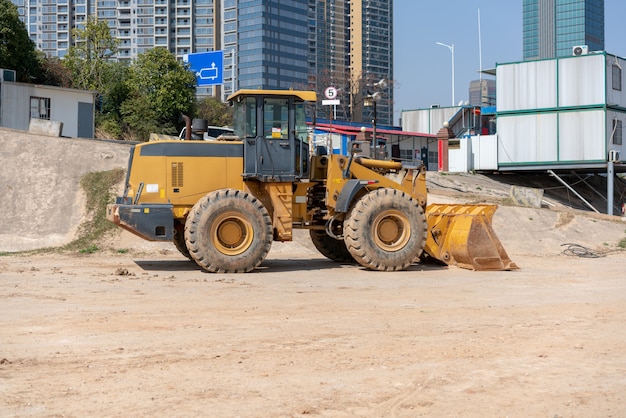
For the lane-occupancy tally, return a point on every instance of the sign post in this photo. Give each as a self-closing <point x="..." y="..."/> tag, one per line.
<point x="331" y="100"/>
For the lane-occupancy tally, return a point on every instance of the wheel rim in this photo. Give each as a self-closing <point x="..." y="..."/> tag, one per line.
<point x="231" y="233"/>
<point x="391" y="230"/>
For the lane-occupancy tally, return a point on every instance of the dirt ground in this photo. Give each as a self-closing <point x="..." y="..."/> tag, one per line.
<point x="143" y="332"/>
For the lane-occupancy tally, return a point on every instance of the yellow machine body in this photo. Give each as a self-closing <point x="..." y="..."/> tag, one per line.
<point x="222" y="202"/>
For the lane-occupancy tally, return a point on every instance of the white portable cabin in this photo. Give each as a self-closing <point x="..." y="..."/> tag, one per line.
<point x="428" y="120"/>
<point x="561" y="113"/>
<point x="22" y="102"/>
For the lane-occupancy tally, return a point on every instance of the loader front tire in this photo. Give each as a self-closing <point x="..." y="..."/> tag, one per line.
<point x="330" y="247"/>
<point x="228" y="231"/>
<point x="385" y="230"/>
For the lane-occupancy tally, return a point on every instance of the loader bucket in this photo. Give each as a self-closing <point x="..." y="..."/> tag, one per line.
<point x="462" y="235"/>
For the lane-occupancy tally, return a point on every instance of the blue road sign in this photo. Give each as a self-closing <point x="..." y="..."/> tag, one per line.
<point x="208" y="67"/>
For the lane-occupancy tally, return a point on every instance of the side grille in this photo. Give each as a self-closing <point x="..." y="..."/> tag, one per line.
<point x="177" y="174"/>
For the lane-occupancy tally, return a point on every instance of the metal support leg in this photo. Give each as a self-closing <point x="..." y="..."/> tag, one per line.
<point x="552" y="173"/>
<point x="610" y="174"/>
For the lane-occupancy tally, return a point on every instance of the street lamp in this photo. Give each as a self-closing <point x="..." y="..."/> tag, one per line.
<point x="370" y="100"/>
<point x="451" y="48"/>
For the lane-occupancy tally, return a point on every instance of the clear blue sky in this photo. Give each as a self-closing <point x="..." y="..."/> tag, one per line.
<point x="422" y="69"/>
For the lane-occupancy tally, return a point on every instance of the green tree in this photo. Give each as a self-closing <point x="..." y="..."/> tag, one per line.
<point x="92" y="66"/>
<point x="53" y="73"/>
<point x="166" y="85"/>
<point x="216" y="112"/>
<point x="140" y="118"/>
<point x="88" y="60"/>
<point x="17" y="50"/>
<point x="109" y="120"/>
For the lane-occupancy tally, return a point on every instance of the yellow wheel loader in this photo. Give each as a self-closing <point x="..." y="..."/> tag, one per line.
<point x="223" y="202"/>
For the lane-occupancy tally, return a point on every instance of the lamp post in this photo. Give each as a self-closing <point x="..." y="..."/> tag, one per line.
<point x="451" y="48"/>
<point x="370" y="100"/>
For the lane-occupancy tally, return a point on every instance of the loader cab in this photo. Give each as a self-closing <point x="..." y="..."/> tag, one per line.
<point x="272" y="127"/>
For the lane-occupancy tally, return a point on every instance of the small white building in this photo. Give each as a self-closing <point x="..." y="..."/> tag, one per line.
<point x="561" y="113"/>
<point x="428" y="120"/>
<point x="21" y="102"/>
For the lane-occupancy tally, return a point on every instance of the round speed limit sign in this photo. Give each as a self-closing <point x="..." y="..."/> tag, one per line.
<point x="330" y="93"/>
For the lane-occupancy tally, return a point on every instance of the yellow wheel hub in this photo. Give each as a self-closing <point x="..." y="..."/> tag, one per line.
<point x="231" y="233"/>
<point x="391" y="230"/>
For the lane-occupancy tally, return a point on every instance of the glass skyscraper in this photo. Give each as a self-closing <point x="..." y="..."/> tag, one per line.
<point x="351" y="49"/>
<point x="553" y="27"/>
<point x="268" y="44"/>
<point x="271" y="43"/>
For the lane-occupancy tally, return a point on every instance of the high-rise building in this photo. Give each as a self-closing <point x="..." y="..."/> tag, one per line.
<point x="351" y="49"/>
<point x="371" y="56"/>
<point x="270" y="44"/>
<point x="552" y="28"/>
<point x="482" y="92"/>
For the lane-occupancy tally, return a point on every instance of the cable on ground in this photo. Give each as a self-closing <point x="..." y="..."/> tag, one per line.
<point x="577" y="250"/>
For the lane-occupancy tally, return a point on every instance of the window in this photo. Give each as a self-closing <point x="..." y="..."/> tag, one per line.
<point x="302" y="132"/>
<point x="407" y="154"/>
<point x="40" y="107"/>
<point x="245" y="118"/>
<point x="276" y="118"/>
<point x="617" y="77"/>
<point x="617" y="132"/>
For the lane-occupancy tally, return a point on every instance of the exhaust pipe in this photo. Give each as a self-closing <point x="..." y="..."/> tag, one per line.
<point x="187" y="120"/>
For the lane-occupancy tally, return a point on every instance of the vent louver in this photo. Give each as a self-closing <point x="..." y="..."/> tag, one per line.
<point x="177" y="174"/>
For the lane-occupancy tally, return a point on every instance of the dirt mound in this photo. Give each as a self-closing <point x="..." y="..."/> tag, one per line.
<point x="42" y="200"/>
<point x="529" y="231"/>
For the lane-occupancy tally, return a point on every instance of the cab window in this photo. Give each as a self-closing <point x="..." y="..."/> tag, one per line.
<point x="302" y="132"/>
<point x="245" y="118"/>
<point x="276" y="119"/>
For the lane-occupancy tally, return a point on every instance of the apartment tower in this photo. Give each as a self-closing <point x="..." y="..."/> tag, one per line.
<point x="270" y="44"/>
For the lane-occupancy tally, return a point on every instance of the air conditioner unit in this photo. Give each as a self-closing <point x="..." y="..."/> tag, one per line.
<point x="7" y="75"/>
<point x="580" y="50"/>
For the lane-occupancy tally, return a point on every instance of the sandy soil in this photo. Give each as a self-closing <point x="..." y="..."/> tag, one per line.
<point x="145" y="333"/>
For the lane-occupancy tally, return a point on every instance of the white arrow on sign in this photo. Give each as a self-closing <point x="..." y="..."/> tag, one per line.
<point x="208" y="73"/>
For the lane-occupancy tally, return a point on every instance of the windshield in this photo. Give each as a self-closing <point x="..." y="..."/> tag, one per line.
<point x="245" y="118"/>
<point x="275" y="118"/>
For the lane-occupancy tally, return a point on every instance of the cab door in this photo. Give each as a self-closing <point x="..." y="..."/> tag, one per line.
<point x="275" y="147"/>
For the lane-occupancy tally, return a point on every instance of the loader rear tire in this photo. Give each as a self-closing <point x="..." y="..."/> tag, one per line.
<point x="179" y="239"/>
<point x="330" y="247"/>
<point x="228" y="231"/>
<point x="385" y="230"/>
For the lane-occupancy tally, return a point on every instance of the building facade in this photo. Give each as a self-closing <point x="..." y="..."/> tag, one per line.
<point x="271" y="44"/>
<point x="371" y="57"/>
<point x="482" y="92"/>
<point x="552" y="28"/>
<point x="565" y="112"/>
<point x="351" y="49"/>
